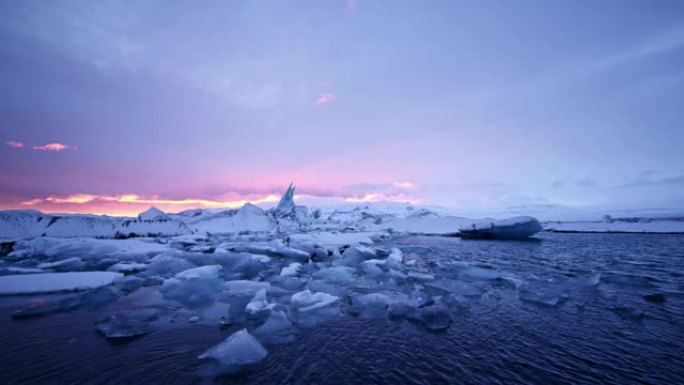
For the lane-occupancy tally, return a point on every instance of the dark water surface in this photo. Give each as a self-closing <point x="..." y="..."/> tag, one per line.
<point x="612" y="332"/>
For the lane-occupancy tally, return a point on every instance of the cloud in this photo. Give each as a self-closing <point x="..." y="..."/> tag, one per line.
<point x="380" y="197"/>
<point x="351" y="5"/>
<point x="15" y="144"/>
<point x="405" y="185"/>
<point x="53" y="147"/>
<point x="586" y="182"/>
<point x="77" y="198"/>
<point x="665" y="181"/>
<point x="325" y="99"/>
<point x="152" y="200"/>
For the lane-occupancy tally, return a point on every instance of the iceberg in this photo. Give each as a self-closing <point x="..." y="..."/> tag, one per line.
<point x="55" y="282"/>
<point x="372" y="305"/>
<point x="244" y="287"/>
<point x="512" y="228"/>
<point x="69" y="264"/>
<point x="336" y="275"/>
<point x="194" y="287"/>
<point x="310" y="309"/>
<point x="90" y="299"/>
<point x="286" y="206"/>
<point x="277" y="329"/>
<point x="291" y="270"/>
<point x="128" y="324"/>
<point x="235" y="352"/>
<point x="259" y="304"/>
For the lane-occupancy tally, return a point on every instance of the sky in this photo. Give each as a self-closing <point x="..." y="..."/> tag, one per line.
<point x="114" y="106"/>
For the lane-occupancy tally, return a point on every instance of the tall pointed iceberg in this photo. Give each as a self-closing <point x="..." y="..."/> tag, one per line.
<point x="286" y="206"/>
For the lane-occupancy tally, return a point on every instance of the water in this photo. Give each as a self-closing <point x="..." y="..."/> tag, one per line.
<point x="603" y="333"/>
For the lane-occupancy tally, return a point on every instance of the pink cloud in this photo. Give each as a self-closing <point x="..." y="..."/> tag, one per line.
<point x="351" y="4"/>
<point x="53" y="147"/>
<point x="15" y="144"/>
<point x="405" y="185"/>
<point x="325" y="99"/>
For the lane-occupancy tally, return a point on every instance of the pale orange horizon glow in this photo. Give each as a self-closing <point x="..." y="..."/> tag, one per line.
<point x="133" y="204"/>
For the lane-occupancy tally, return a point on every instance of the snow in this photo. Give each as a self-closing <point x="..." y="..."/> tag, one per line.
<point x="24" y="224"/>
<point x="249" y="218"/>
<point x="511" y="228"/>
<point x="428" y="225"/>
<point x="235" y="352"/>
<point x="55" y="282"/>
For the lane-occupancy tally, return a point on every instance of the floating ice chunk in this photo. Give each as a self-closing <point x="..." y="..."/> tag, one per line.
<point x="585" y="281"/>
<point x="480" y="273"/>
<point x="128" y="324"/>
<point x="354" y="255"/>
<point x="89" y="248"/>
<point x="307" y="301"/>
<point x="128" y="267"/>
<point x="245" y="288"/>
<point x="260" y="258"/>
<point x="128" y="284"/>
<point x="324" y="287"/>
<point x="235" y="352"/>
<point x="338" y="275"/>
<point x="371" y="269"/>
<point x="287" y="282"/>
<point x="435" y="317"/>
<point x="418" y="276"/>
<point x="545" y="298"/>
<point x="292" y="253"/>
<point x="333" y="239"/>
<point x="90" y="299"/>
<point x="167" y="266"/>
<point x="372" y="305"/>
<point x="310" y="309"/>
<point x="277" y="329"/>
<point x="395" y="260"/>
<point x="512" y="228"/>
<point x="456" y="287"/>
<point x="259" y="303"/>
<point x="55" y="282"/>
<point x="11" y="270"/>
<point x="291" y="270"/>
<point x="69" y="264"/>
<point x="193" y="287"/>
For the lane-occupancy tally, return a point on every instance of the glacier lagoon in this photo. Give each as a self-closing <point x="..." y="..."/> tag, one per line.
<point x="580" y="308"/>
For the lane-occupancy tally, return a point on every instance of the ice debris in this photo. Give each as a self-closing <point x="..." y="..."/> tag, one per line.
<point x="235" y="352"/>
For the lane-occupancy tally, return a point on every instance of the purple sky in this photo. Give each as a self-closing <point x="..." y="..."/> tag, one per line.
<point x="115" y="106"/>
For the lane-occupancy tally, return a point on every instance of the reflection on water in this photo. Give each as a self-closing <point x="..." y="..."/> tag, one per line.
<point x="617" y="318"/>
